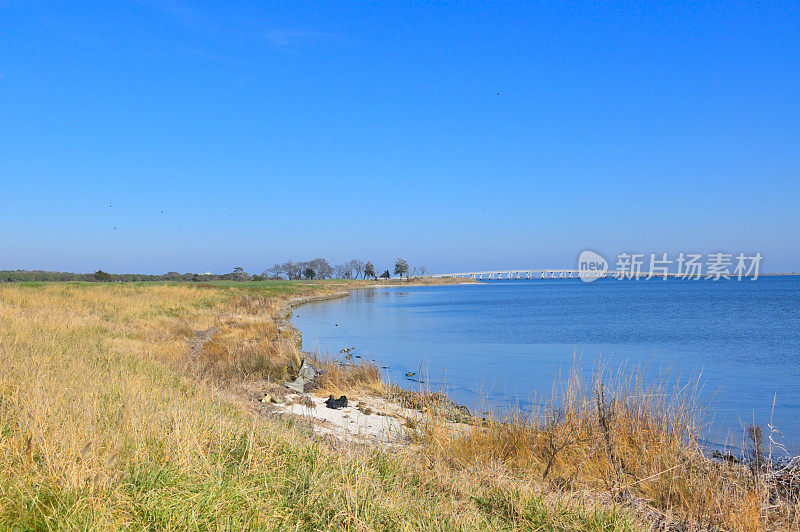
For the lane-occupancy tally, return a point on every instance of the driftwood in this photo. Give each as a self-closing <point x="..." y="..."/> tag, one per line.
<point x="785" y="480"/>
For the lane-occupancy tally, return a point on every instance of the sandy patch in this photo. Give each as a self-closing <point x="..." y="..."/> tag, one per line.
<point x="369" y="420"/>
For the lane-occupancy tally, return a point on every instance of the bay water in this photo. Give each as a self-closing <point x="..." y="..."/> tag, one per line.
<point x="501" y="344"/>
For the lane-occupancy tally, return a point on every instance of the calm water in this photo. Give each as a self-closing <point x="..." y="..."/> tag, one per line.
<point x="504" y="342"/>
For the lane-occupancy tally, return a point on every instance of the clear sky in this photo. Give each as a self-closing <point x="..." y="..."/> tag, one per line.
<point x="266" y="131"/>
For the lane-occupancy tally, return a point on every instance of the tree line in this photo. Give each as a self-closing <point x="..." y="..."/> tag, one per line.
<point x="9" y="276"/>
<point x="291" y="270"/>
<point x="321" y="269"/>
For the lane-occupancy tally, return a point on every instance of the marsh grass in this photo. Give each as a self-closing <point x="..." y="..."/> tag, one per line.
<point x="248" y="351"/>
<point x="633" y="438"/>
<point x="114" y="413"/>
<point x="123" y="405"/>
<point x="337" y="378"/>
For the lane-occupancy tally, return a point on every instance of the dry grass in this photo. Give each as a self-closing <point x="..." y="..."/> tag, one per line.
<point x="114" y="413"/>
<point x="626" y="437"/>
<point x="119" y="408"/>
<point x="240" y="351"/>
<point x="349" y="379"/>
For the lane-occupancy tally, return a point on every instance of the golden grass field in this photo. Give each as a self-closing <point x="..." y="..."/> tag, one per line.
<point x="131" y="406"/>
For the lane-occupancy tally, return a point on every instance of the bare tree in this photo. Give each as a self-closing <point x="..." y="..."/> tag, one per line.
<point x="357" y="268"/>
<point x="321" y="267"/>
<point x="342" y="271"/>
<point x="273" y="271"/>
<point x="293" y="270"/>
<point x="301" y="266"/>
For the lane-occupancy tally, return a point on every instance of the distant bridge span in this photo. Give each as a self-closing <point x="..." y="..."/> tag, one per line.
<point x="532" y="273"/>
<point x="560" y="273"/>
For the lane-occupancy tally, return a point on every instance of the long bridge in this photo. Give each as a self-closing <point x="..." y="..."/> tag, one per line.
<point x="532" y="273"/>
<point x="561" y="273"/>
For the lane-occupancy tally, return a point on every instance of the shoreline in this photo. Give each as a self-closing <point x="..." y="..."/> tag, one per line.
<point x="382" y="420"/>
<point x="283" y="318"/>
<point x="713" y="449"/>
<point x="723" y="435"/>
<point x="176" y="394"/>
<point x="284" y="315"/>
<point x="389" y="423"/>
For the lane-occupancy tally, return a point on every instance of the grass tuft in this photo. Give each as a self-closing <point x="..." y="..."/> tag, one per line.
<point x="633" y="438"/>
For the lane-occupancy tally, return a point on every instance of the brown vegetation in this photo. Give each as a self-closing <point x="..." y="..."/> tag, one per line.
<point x="128" y="405"/>
<point x="635" y="442"/>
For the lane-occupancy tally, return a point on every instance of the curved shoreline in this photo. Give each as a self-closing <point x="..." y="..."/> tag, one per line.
<point x="382" y="419"/>
<point x="284" y="314"/>
<point x="397" y="421"/>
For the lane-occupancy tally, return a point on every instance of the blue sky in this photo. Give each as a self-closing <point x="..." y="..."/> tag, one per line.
<point x="266" y="131"/>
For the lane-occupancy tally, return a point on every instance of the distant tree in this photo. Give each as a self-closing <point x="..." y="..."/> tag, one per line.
<point x="273" y="271"/>
<point x="422" y="271"/>
<point x="401" y="267"/>
<point x="36" y="275"/>
<point x="369" y="271"/>
<point x="356" y="267"/>
<point x="102" y="276"/>
<point x="342" y="271"/>
<point x="292" y="270"/>
<point x="239" y="274"/>
<point x="302" y="268"/>
<point x="281" y="271"/>
<point x="385" y="274"/>
<point x="309" y="273"/>
<point x="321" y="267"/>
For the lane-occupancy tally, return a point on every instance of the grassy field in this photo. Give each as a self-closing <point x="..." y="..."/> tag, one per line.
<point x="108" y="420"/>
<point x="133" y="405"/>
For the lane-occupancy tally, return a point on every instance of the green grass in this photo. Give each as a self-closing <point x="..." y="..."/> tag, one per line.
<point x="300" y="485"/>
